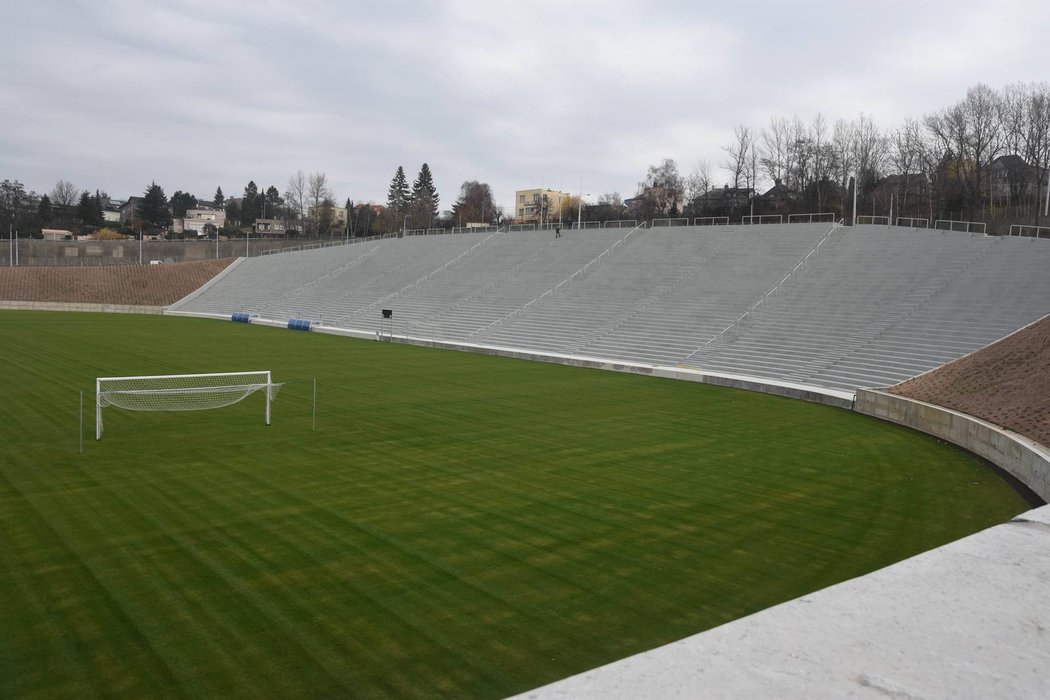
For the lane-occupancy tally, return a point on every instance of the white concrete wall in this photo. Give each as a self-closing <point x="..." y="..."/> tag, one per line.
<point x="97" y="308"/>
<point x="1023" y="458"/>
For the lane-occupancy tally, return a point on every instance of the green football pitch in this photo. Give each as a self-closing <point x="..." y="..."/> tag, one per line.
<point x="457" y="525"/>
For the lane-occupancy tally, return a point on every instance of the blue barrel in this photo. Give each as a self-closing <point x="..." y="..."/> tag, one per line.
<point x="241" y="317"/>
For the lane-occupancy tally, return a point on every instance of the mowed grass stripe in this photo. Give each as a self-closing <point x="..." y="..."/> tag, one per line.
<point x="458" y="525"/>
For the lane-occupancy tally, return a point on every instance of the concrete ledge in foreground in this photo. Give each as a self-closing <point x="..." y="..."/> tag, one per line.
<point x="967" y="620"/>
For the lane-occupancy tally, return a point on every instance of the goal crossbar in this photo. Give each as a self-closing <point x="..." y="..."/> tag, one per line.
<point x="180" y="392"/>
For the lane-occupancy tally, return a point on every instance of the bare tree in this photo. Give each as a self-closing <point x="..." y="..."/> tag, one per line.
<point x="1026" y="124"/>
<point x="982" y="112"/>
<point x="296" y="196"/>
<point x="800" y="155"/>
<point x="822" y="157"/>
<point x="317" y="193"/>
<point x="475" y="204"/>
<point x="665" y="188"/>
<point x="774" y="153"/>
<point x="843" y="137"/>
<point x="738" y="155"/>
<point x="971" y="133"/>
<point x="697" y="185"/>
<point x="741" y="162"/>
<point x="906" y="159"/>
<point x="64" y="195"/>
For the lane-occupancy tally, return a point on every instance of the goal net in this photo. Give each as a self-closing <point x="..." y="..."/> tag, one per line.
<point x="180" y="392"/>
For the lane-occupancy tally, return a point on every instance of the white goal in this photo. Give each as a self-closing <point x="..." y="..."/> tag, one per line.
<point x="180" y="392"/>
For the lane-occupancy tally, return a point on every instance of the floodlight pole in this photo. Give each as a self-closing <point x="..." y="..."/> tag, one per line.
<point x="856" y="181"/>
<point x="1046" y="204"/>
<point x="579" y="209"/>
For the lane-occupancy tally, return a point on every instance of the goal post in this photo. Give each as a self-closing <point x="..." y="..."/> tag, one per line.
<point x="180" y="392"/>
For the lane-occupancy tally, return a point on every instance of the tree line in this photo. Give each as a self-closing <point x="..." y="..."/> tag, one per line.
<point x="937" y="166"/>
<point x="306" y="207"/>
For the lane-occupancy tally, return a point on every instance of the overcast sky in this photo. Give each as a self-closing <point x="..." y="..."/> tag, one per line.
<point x="112" y="94"/>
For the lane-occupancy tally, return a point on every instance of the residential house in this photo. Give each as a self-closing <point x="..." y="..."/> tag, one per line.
<point x="537" y="206"/>
<point x="198" y="220"/>
<point x="129" y="209"/>
<point x="1011" y="180"/>
<point x="722" y="201"/>
<point x="906" y="192"/>
<point x="56" y="234"/>
<point x="779" y="197"/>
<point x="271" y="227"/>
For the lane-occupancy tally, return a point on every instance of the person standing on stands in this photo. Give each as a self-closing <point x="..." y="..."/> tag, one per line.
<point x="557" y="231"/>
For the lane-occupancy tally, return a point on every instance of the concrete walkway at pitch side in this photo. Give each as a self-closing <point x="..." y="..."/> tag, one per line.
<point x="967" y="620"/>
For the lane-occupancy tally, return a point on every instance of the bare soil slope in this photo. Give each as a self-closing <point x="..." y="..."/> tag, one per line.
<point x="1006" y="383"/>
<point x="140" y="285"/>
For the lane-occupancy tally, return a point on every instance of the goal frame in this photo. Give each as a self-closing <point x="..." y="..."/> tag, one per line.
<point x="269" y="385"/>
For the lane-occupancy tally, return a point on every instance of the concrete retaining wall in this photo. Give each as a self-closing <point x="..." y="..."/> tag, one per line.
<point x="97" y="308"/>
<point x="1023" y="458"/>
<point x="36" y="253"/>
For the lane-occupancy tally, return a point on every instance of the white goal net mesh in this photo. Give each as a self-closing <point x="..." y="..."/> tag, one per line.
<point x="180" y="392"/>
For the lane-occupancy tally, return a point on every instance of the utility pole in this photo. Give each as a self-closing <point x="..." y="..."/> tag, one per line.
<point x="855" y="188"/>
<point x="1046" y="204"/>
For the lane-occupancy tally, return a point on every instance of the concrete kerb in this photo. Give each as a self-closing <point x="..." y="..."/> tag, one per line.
<point x="814" y="394"/>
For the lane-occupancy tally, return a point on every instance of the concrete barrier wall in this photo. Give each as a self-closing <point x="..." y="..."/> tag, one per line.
<point x="97" y="308"/>
<point x="1023" y="458"/>
<point x="36" y="253"/>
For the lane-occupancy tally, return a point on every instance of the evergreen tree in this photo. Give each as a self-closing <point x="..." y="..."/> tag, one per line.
<point x="250" y="205"/>
<point x="274" y="203"/>
<point x="220" y="198"/>
<point x="100" y="218"/>
<point x="398" y="197"/>
<point x="86" y="209"/>
<point x="182" y="201"/>
<point x="12" y="198"/>
<point x="43" y="211"/>
<point x="153" y="210"/>
<point x="424" y="197"/>
<point x="233" y="213"/>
